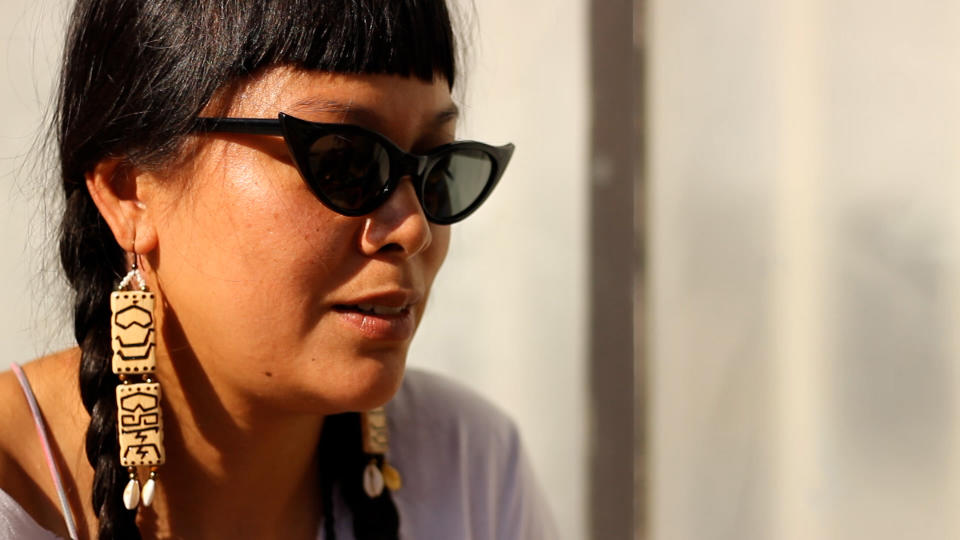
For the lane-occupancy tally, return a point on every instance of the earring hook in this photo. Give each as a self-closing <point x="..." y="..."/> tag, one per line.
<point x="134" y="272"/>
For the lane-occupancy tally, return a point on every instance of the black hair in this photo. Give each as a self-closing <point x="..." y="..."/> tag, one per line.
<point x="135" y="75"/>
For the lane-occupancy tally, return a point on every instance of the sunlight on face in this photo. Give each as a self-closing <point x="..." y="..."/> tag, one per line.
<point x="281" y="300"/>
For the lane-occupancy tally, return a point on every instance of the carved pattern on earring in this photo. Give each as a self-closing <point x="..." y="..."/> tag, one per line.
<point x="139" y="419"/>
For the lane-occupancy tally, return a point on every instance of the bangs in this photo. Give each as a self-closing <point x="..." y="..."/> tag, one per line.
<point x="398" y="37"/>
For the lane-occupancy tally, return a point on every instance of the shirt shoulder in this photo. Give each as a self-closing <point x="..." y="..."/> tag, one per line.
<point x="465" y="472"/>
<point x="453" y="412"/>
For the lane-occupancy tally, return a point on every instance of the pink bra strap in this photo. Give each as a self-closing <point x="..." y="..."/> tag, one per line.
<point x="48" y="454"/>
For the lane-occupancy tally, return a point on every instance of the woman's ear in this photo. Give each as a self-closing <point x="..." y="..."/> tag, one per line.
<point x="115" y="188"/>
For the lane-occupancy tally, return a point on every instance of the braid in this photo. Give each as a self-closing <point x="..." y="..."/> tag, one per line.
<point x="342" y="462"/>
<point x="91" y="261"/>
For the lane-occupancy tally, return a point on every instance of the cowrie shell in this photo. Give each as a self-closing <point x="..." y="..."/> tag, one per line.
<point x="131" y="494"/>
<point x="149" y="489"/>
<point x="372" y="480"/>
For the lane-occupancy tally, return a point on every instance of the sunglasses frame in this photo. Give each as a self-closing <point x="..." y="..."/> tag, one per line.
<point x="299" y="134"/>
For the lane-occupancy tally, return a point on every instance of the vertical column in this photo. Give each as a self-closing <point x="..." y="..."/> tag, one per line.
<point x="614" y="154"/>
<point x="641" y="396"/>
<point x="798" y="294"/>
<point x="952" y="281"/>
<point x="642" y="402"/>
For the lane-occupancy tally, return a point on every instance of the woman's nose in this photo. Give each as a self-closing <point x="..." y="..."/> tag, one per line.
<point x="398" y="225"/>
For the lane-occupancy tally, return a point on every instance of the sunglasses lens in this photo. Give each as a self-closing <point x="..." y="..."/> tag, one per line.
<point x="349" y="170"/>
<point x="455" y="182"/>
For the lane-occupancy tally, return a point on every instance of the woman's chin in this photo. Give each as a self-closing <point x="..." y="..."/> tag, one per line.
<point x="372" y="392"/>
<point x="366" y="384"/>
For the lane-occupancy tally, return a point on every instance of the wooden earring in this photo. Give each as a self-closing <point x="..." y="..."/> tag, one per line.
<point x="378" y="473"/>
<point x="139" y="420"/>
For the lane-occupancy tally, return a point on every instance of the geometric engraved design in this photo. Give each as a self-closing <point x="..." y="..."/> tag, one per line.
<point x="132" y="333"/>
<point x="374" y="427"/>
<point x="140" y="424"/>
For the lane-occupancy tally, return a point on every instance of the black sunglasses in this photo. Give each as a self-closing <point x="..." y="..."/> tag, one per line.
<point x="353" y="170"/>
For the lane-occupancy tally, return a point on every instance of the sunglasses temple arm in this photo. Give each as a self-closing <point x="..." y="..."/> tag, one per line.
<point x="248" y="126"/>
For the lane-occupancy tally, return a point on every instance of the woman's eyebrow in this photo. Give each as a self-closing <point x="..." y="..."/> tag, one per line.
<point x="353" y="111"/>
<point x="323" y="105"/>
<point x="449" y="114"/>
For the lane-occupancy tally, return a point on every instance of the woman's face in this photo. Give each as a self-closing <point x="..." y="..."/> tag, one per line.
<point x="284" y="302"/>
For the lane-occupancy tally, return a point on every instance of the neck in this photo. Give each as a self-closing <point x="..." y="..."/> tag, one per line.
<point x="250" y="470"/>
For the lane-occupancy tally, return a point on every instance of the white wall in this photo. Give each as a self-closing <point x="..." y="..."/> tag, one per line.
<point x="804" y="247"/>
<point x="32" y="319"/>
<point x="507" y="313"/>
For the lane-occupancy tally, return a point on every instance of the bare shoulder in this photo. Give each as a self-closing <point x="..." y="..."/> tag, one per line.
<point x="24" y="473"/>
<point x="53" y="380"/>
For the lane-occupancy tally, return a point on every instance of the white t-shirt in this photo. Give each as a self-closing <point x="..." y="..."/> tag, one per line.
<point x="465" y="475"/>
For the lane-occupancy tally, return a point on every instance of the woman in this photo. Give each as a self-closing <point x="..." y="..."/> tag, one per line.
<point x="258" y="197"/>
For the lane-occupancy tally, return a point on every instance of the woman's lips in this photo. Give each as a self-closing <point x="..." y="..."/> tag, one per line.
<point x="378" y="322"/>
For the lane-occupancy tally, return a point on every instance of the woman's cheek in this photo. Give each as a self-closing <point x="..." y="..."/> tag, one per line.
<point x="437" y="252"/>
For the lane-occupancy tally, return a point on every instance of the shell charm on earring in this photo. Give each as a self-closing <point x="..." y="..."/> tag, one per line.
<point x="139" y="419"/>
<point x="391" y="477"/>
<point x="378" y="473"/>
<point x="372" y="480"/>
<point x="131" y="493"/>
<point x="150" y="488"/>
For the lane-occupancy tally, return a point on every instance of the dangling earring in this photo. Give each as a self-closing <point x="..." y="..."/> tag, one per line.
<point x="139" y="422"/>
<point x="378" y="473"/>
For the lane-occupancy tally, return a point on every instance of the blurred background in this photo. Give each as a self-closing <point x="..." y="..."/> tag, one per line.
<point x="802" y="180"/>
<point x="718" y="287"/>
